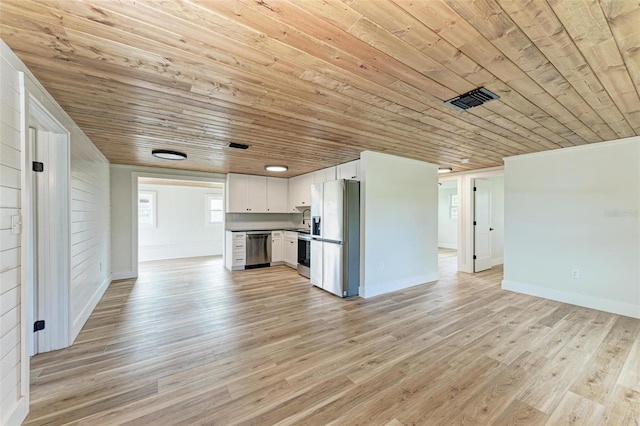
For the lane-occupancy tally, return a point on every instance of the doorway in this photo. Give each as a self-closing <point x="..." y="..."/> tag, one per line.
<point x="488" y="222"/>
<point x="464" y="244"/>
<point x="179" y="218"/>
<point x="448" y="217"/>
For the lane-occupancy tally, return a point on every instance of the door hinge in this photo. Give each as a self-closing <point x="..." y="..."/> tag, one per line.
<point x="475" y="189"/>
<point x="37" y="166"/>
<point x="475" y="223"/>
<point x="38" y="325"/>
<point x="474" y="257"/>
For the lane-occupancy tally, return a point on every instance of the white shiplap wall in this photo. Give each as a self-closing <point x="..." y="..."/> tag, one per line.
<point x="89" y="220"/>
<point x="90" y="230"/>
<point x="13" y="401"/>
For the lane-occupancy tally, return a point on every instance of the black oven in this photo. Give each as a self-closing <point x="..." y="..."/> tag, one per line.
<point x="304" y="254"/>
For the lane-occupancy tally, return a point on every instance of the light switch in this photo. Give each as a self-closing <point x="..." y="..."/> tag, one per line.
<point x="16" y="224"/>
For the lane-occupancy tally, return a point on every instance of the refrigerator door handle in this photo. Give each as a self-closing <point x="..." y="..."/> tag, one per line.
<point x="333" y="241"/>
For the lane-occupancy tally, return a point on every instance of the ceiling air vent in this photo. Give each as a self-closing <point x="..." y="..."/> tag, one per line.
<point x="472" y="99"/>
<point x="238" y="145"/>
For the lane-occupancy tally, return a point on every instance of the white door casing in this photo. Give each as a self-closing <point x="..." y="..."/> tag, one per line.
<point x="482" y="225"/>
<point x="31" y="283"/>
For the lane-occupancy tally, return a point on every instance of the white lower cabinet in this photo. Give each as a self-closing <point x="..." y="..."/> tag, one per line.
<point x="235" y="250"/>
<point x="290" y="249"/>
<point x="277" y="240"/>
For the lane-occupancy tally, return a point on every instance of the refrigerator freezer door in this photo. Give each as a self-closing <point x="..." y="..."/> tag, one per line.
<point x="316" y="263"/>
<point x="332" y="268"/>
<point x="316" y="200"/>
<point x="333" y="211"/>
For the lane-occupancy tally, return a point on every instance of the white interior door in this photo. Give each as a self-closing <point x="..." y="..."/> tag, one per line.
<point x="482" y="225"/>
<point x="50" y="287"/>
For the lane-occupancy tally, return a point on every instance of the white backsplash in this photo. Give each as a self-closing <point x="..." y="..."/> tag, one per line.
<point x="258" y="221"/>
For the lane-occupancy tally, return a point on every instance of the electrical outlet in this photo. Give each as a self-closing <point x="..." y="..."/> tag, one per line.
<point x="16" y="224"/>
<point x="101" y="266"/>
<point x="575" y="273"/>
<point x="382" y="266"/>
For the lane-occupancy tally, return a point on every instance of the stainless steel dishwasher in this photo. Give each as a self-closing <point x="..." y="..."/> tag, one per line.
<point x="258" y="249"/>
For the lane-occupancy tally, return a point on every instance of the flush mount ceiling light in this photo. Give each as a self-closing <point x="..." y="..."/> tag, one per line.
<point x="276" y="168"/>
<point x="166" y="154"/>
<point x="445" y="170"/>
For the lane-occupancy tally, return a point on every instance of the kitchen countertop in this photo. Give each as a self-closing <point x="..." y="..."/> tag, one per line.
<point x="270" y="228"/>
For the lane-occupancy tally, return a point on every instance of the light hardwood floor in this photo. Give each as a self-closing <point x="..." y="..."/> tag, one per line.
<point x="191" y="343"/>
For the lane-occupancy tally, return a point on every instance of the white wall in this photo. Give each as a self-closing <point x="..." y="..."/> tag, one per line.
<point x="447" y="227"/>
<point x="399" y="228"/>
<point x="124" y="230"/>
<point x="182" y="228"/>
<point x="90" y="230"/>
<point x="576" y="208"/>
<point x="14" y="374"/>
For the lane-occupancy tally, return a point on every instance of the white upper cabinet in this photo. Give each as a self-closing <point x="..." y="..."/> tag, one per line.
<point x="246" y="194"/>
<point x="277" y="195"/>
<point x="236" y="193"/>
<point x="300" y="187"/>
<point x="300" y="192"/>
<point x="256" y="194"/>
<point x="350" y="170"/>
<point x="260" y="194"/>
<point x="324" y="175"/>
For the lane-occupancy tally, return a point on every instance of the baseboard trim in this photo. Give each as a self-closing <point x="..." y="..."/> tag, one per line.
<point x="448" y="246"/>
<point x="620" y="308"/>
<point x="497" y="261"/>
<point x="17" y="413"/>
<point x="82" y="318"/>
<point x="123" y="275"/>
<point x="389" y="286"/>
<point x="177" y="251"/>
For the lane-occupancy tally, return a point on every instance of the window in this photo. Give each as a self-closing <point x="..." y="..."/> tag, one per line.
<point x="147" y="209"/>
<point x="453" y="206"/>
<point x="215" y="212"/>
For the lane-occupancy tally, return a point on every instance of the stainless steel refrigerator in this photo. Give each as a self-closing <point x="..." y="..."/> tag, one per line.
<point x="335" y="236"/>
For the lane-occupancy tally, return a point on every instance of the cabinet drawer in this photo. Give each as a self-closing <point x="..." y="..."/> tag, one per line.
<point x="237" y="236"/>
<point x="238" y="260"/>
<point x="239" y="245"/>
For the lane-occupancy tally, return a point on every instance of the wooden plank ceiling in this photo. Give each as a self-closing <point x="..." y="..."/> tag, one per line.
<point x="312" y="83"/>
